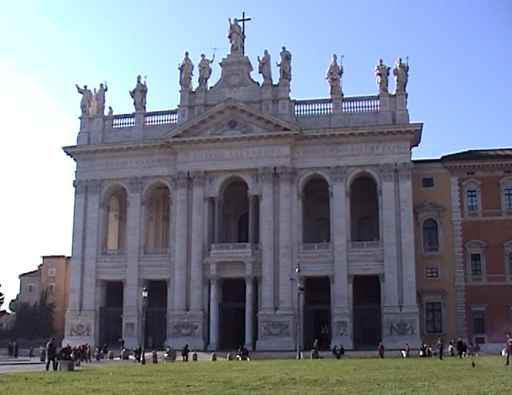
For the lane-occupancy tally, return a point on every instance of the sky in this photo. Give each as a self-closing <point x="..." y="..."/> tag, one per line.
<point x="460" y="81"/>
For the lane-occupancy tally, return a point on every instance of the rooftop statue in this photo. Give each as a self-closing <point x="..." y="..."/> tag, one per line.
<point x="138" y="94"/>
<point x="205" y="70"/>
<point x="333" y="77"/>
<point x="99" y="98"/>
<point x="285" y="67"/>
<point x="382" y="77"/>
<point x="265" y="68"/>
<point x="401" y="73"/>
<point x="186" y="69"/>
<point x="236" y="37"/>
<point x="86" y="104"/>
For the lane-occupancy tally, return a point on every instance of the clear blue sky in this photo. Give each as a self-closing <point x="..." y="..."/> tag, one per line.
<point x="460" y="80"/>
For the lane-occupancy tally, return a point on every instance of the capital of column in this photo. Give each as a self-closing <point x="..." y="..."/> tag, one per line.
<point x="338" y="174"/>
<point x="180" y="180"/>
<point x="93" y="186"/>
<point x="266" y="174"/>
<point x="135" y="185"/>
<point x="285" y="173"/>
<point x="405" y="170"/>
<point x="79" y="186"/>
<point x="198" y="177"/>
<point x="387" y="171"/>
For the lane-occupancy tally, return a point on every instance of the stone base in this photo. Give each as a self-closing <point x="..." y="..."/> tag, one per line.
<point x="276" y="332"/>
<point x="342" y="331"/>
<point x="80" y="328"/>
<point x="186" y="328"/>
<point x="400" y="328"/>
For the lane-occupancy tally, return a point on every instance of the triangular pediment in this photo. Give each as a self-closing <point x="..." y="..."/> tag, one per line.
<point x="230" y="118"/>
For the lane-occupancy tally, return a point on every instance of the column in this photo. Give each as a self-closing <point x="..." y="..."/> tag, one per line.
<point x="407" y="236"/>
<point x="285" y="229"/>
<point x="389" y="235"/>
<point x="267" y="239"/>
<point x="180" y="257"/>
<point x="250" y="199"/>
<point x="214" y="313"/>
<point x="132" y="294"/>
<point x="218" y="219"/>
<point x="196" y="255"/>
<point x="341" y="322"/>
<point x="249" y="311"/>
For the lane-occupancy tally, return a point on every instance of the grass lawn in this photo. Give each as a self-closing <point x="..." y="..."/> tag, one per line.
<point x="348" y="376"/>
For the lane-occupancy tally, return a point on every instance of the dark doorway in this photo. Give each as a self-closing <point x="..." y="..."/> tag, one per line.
<point x="156" y="315"/>
<point x="111" y="321"/>
<point x="367" y="312"/>
<point x="232" y="314"/>
<point x="317" y="312"/>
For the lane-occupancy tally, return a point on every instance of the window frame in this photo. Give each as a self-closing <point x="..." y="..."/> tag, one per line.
<point x="424" y="240"/>
<point x="440" y="317"/>
<point x="423" y="179"/>
<point x="470" y="185"/>
<point x="507" y="257"/>
<point x="506" y="184"/>
<point x="476" y="247"/>
<point x="480" y="309"/>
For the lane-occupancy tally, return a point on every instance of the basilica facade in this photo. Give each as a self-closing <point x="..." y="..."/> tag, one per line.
<point x="250" y="217"/>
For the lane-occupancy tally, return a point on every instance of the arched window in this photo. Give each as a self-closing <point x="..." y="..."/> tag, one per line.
<point x="234" y="215"/>
<point x="430" y="236"/>
<point x="157" y="221"/>
<point x="364" y="209"/>
<point x="115" y="222"/>
<point x="316" y="223"/>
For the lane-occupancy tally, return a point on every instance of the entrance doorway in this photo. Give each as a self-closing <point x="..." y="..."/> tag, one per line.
<point x="232" y="314"/>
<point x="317" y="312"/>
<point x="367" y="312"/>
<point x="156" y="315"/>
<point x="111" y="321"/>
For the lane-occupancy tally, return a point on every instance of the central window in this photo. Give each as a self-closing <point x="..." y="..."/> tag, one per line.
<point x="472" y="200"/>
<point x="434" y="317"/>
<point x="476" y="264"/>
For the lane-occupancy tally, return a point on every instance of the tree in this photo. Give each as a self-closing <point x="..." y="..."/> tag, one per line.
<point x="34" y="321"/>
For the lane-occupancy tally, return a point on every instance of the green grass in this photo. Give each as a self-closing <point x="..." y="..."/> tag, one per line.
<point x="347" y="376"/>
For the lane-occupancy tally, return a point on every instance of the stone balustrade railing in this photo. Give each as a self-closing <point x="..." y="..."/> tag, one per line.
<point x="318" y="107"/>
<point x="230" y="246"/>
<point x="365" y="245"/>
<point x="167" y="117"/>
<point x="123" y="121"/>
<point x="310" y="247"/>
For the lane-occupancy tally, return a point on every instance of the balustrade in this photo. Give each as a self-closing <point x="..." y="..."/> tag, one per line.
<point x="318" y="107"/>
<point x="123" y="121"/>
<point x="168" y="117"/>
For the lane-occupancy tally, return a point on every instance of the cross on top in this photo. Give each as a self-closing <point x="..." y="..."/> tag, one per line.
<point x="243" y="20"/>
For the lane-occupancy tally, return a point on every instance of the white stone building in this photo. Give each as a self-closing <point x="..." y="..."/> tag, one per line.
<point x="212" y="207"/>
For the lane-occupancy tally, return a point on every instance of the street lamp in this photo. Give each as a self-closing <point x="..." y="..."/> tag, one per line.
<point x="145" y="294"/>
<point x="300" y="289"/>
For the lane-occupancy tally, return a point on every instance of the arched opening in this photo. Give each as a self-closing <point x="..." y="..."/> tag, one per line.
<point x="430" y="236"/>
<point x="364" y="209"/>
<point x="115" y="221"/>
<point x="235" y="213"/>
<point x="316" y="213"/>
<point x="157" y="220"/>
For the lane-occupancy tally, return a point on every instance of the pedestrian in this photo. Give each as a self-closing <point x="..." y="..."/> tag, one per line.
<point x="51" y="354"/>
<point x="451" y="348"/>
<point x="508" y="348"/>
<point x="16" y="349"/>
<point x="10" y="349"/>
<point x="460" y="347"/>
<point x="440" y="347"/>
<point x="380" y="349"/>
<point x="184" y="353"/>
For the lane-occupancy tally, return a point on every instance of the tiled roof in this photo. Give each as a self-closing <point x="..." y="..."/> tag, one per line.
<point x="480" y="154"/>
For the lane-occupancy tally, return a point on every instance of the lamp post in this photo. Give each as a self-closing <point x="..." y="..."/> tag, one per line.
<point x="145" y="294"/>
<point x="300" y="289"/>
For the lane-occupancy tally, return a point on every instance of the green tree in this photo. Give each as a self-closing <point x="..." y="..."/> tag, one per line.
<point x="34" y="321"/>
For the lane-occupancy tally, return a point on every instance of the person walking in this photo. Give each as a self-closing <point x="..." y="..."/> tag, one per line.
<point x="440" y="347"/>
<point x="51" y="354"/>
<point x="380" y="348"/>
<point x="508" y="348"/>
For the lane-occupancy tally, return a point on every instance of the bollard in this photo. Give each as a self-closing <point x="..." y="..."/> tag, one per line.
<point x="154" y="356"/>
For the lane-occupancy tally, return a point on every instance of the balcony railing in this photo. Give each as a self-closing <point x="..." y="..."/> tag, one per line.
<point x="123" y="121"/>
<point x="168" y="117"/>
<point x="364" y="245"/>
<point x="231" y="249"/>
<point x="311" y="247"/>
<point x="319" y="107"/>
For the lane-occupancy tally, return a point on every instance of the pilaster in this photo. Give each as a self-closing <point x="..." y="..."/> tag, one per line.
<point x="285" y="251"/>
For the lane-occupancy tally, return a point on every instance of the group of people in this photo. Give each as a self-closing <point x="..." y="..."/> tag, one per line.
<point x="13" y="348"/>
<point x="53" y="355"/>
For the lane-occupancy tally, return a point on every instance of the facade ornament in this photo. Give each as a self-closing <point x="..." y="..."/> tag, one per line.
<point x="405" y="170"/>
<point x="338" y="173"/>
<point x="99" y="99"/>
<point x="401" y="328"/>
<point x="265" y="68"/>
<point x="205" y="70"/>
<point x="285" y="67"/>
<point x="285" y="173"/>
<point x="265" y="174"/>
<point x="235" y="36"/>
<point x="387" y="171"/>
<point x="80" y="329"/>
<point x="93" y="186"/>
<point x="276" y="328"/>
<point x="86" y="104"/>
<point x="186" y="69"/>
<point x="401" y="73"/>
<point x="135" y="185"/>
<point x="185" y="329"/>
<point x="138" y="94"/>
<point x="79" y="186"/>
<point x="181" y="179"/>
<point x="333" y="77"/>
<point x="198" y="177"/>
<point x="382" y="77"/>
